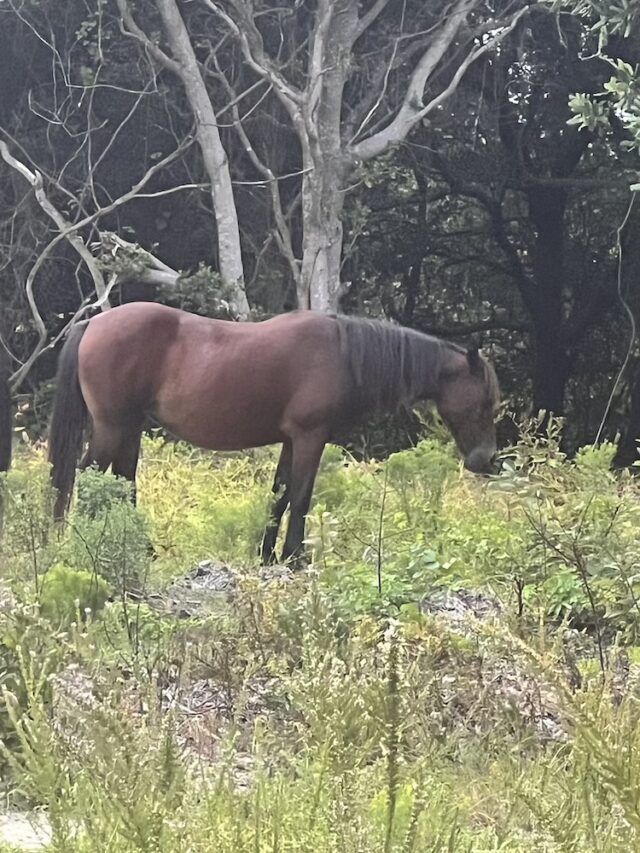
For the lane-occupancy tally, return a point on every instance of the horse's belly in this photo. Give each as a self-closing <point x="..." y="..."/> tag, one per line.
<point x="220" y="430"/>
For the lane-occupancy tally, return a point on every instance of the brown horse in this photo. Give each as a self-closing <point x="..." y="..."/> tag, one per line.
<point x="294" y="379"/>
<point x="5" y="413"/>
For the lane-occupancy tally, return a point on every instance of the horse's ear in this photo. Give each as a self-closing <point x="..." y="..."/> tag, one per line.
<point x="473" y="357"/>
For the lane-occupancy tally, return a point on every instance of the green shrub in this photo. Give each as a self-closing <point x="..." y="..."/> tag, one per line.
<point x="67" y="594"/>
<point x="105" y="534"/>
<point x="200" y="505"/>
<point x="27" y="542"/>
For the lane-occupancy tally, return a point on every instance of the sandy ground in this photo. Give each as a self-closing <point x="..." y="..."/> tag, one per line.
<point x="24" y="830"/>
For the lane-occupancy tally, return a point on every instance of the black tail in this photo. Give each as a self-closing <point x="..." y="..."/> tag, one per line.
<point x="67" y="422"/>
<point x="6" y="419"/>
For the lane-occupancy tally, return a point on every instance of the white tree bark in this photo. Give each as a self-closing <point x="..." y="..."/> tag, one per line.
<point x="316" y="112"/>
<point x="185" y="65"/>
<point x="414" y="108"/>
<point x="326" y="167"/>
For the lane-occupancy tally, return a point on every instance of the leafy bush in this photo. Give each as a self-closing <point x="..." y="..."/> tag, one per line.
<point x="106" y="535"/>
<point x="200" y="505"/>
<point x="27" y="543"/>
<point x="202" y="292"/>
<point x="68" y="595"/>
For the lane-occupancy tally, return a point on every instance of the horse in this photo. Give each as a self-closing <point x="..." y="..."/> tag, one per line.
<point x="6" y="432"/>
<point x="295" y="379"/>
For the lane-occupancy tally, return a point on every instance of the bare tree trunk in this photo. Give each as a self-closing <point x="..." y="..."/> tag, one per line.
<point x="185" y="65"/>
<point x="327" y="165"/>
<point x="322" y="202"/>
<point x="332" y="147"/>
<point x="213" y="154"/>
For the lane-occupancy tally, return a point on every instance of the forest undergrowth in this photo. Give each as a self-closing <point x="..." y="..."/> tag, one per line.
<point x="458" y="669"/>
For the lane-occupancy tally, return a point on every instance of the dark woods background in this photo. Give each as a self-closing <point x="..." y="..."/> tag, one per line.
<point x="493" y="221"/>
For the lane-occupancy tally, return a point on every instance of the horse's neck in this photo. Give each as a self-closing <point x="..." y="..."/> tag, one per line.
<point x="450" y="363"/>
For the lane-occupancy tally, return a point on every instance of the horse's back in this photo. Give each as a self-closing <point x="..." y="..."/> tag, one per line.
<point x="214" y="383"/>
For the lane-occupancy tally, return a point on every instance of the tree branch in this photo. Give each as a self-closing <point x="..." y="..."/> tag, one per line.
<point x="369" y="17"/>
<point x="68" y="231"/>
<point x="250" y="40"/>
<point x="18" y="377"/>
<point x="216" y="163"/>
<point x="463" y="330"/>
<point x="413" y="108"/>
<point x="282" y="232"/>
<point x="317" y="53"/>
<point x="132" y="30"/>
<point x="493" y="208"/>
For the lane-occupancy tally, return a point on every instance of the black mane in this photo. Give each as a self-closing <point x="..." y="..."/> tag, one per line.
<point x="393" y="366"/>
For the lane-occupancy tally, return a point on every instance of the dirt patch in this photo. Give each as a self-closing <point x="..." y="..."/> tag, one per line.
<point x="209" y="587"/>
<point x="25" y="830"/>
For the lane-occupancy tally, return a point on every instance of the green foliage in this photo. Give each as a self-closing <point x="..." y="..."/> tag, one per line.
<point x="621" y="93"/>
<point x="106" y="536"/>
<point x="123" y="780"/>
<point x="26" y="640"/>
<point x="199" y="504"/>
<point x="201" y="292"/>
<point x="324" y="713"/>
<point x="70" y="594"/>
<point x="587" y="113"/>
<point x="126" y="261"/>
<point x="606" y="17"/>
<point x="98" y="493"/>
<point x="28" y="506"/>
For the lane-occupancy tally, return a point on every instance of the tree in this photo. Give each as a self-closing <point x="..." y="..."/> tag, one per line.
<point x="424" y="159"/>
<point x="529" y="172"/>
<point x="184" y="64"/>
<point x="614" y="113"/>
<point x="87" y="132"/>
<point x="500" y="219"/>
<point x="353" y="83"/>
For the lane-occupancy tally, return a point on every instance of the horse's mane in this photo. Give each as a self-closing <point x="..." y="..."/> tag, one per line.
<point x="392" y="366"/>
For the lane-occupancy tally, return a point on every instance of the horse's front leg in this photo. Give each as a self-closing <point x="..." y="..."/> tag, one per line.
<point x="281" y="489"/>
<point x="307" y="452"/>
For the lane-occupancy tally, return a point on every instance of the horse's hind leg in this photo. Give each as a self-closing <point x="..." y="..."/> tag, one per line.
<point x="115" y="445"/>
<point x="125" y="463"/>
<point x="307" y="452"/>
<point x="103" y="446"/>
<point x="281" y="490"/>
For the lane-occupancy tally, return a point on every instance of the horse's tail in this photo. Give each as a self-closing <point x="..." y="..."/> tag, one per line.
<point x="67" y="422"/>
<point x="6" y="419"/>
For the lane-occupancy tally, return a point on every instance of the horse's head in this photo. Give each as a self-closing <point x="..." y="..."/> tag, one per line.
<point x="468" y="396"/>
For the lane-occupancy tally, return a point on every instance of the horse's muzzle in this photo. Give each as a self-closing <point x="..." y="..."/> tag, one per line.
<point x="482" y="461"/>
